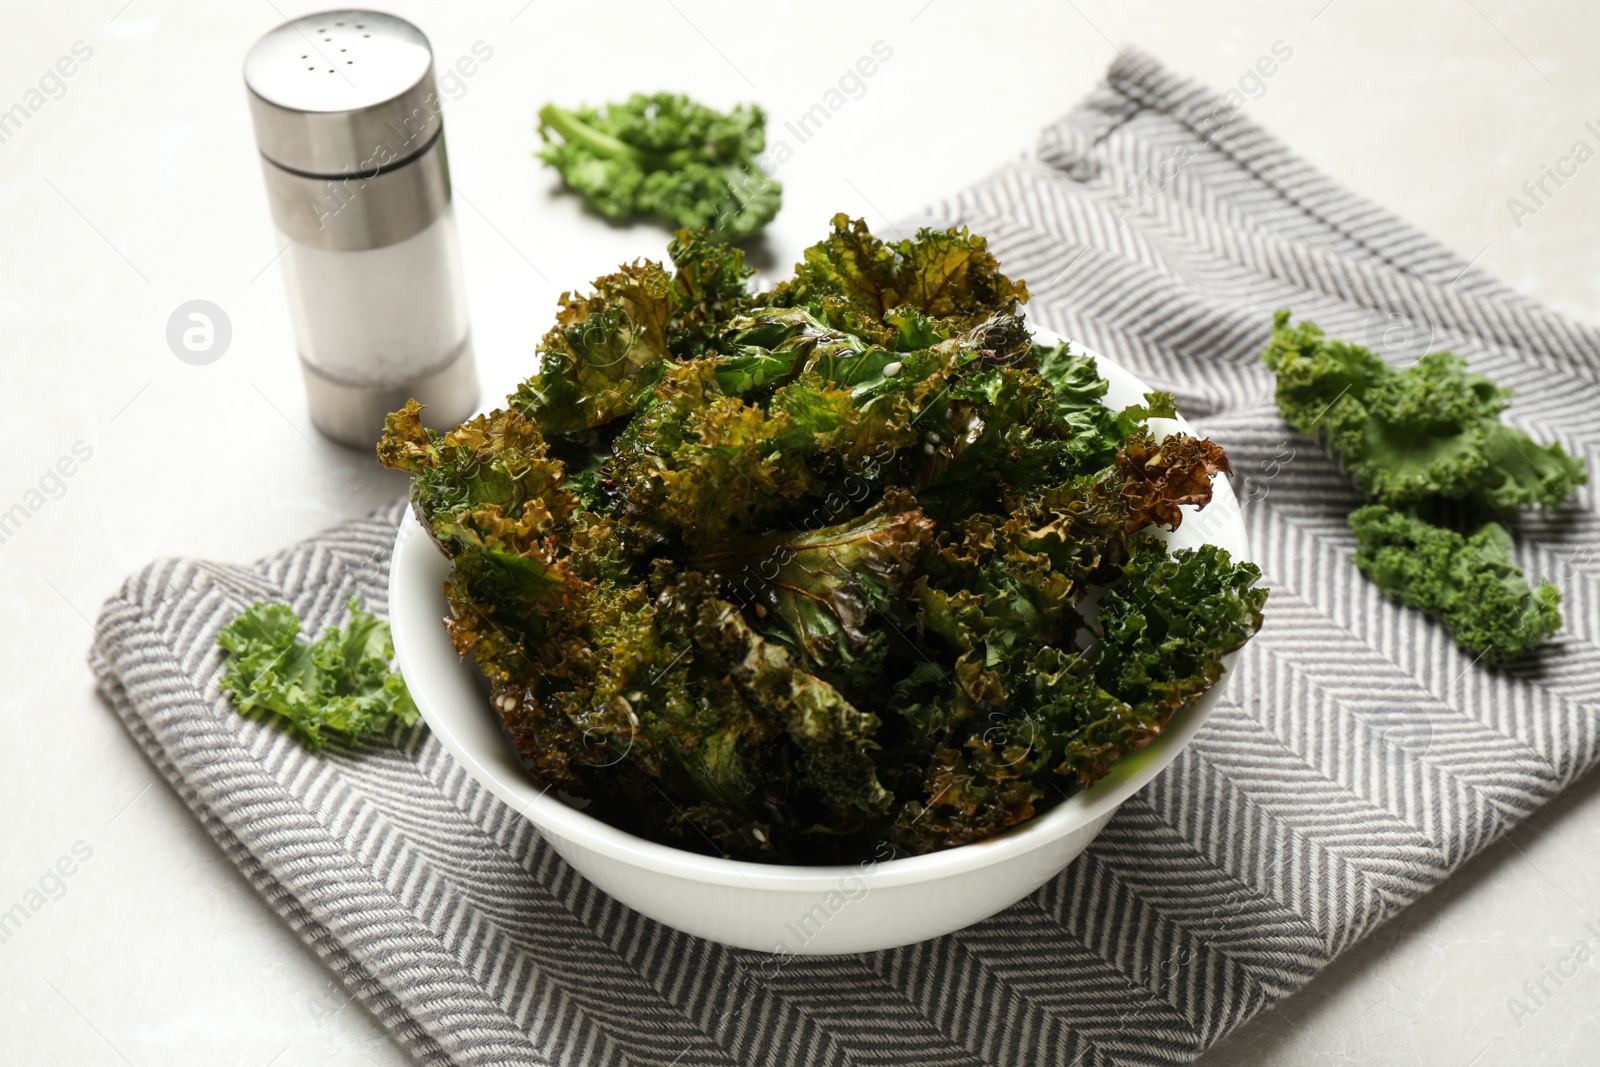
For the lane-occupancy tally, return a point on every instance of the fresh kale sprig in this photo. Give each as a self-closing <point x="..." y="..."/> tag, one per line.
<point x="668" y="156"/>
<point x="337" y="687"/>
<point x="1425" y="435"/>
<point x="1426" y="443"/>
<point x="1469" y="582"/>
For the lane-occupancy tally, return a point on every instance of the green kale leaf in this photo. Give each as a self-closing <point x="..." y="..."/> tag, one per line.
<point x="710" y="289"/>
<point x="1428" y="434"/>
<point x="1469" y="583"/>
<point x="1428" y="440"/>
<point x="668" y="156"/>
<point x="1094" y="432"/>
<point x="338" y="687"/>
<point x="1165" y="626"/>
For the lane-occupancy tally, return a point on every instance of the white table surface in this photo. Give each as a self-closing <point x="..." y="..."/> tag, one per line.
<point x="138" y="189"/>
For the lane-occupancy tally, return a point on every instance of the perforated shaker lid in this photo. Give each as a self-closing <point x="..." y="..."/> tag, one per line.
<point x="342" y="92"/>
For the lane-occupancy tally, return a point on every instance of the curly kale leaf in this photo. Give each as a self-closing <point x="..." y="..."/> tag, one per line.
<point x="903" y="294"/>
<point x="773" y="345"/>
<point x="1428" y="434"/>
<point x="1164" y="627"/>
<point x="676" y="717"/>
<point x="990" y="590"/>
<point x="668" y="156"/>
<point x="1156" y="477"/>
<point x="607" y="347"/>
<point x="997" y="586"/>
<point x="1074" y="726"/>
<point x="1085" y="525"/>
<point x="1094" y="432"/>
<point x="338" y="687"/>
<point x="964" y="421"/>
<point x="1077" y="382"/>
<point x="1065" y="713"/>
<point x="996" y="591"/>
<point x="1469" y="583"/>
<point x="495" y="501"/>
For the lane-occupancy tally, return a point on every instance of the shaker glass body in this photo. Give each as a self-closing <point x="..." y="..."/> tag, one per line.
<point x="351" y="133"/>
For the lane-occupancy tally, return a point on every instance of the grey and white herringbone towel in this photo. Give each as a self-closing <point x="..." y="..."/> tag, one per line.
<point x="1356" y="759"/>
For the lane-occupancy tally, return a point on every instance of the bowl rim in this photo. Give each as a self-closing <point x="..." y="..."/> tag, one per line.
<point x="415" y="552"/>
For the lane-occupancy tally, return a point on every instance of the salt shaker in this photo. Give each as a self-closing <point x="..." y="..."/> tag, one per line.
<point x="352" y="145"/>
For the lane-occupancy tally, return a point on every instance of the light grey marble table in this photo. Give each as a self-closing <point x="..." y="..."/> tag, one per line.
<point x="133" y="187"/>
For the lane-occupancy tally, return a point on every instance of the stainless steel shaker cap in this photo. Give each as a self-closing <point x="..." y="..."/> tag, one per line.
<point x="342" y="92"/>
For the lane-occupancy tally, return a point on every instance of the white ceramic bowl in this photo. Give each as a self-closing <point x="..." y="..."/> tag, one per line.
<point x="783" y="909"/>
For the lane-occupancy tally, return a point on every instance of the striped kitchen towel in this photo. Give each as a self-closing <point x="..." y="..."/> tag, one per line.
<point x="1356" y="759"/>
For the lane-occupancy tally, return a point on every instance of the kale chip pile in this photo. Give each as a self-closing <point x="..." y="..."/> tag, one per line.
<point x="785" y="576"/>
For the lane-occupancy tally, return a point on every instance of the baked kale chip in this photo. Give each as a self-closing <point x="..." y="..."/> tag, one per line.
<point x="787" y="576"/>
